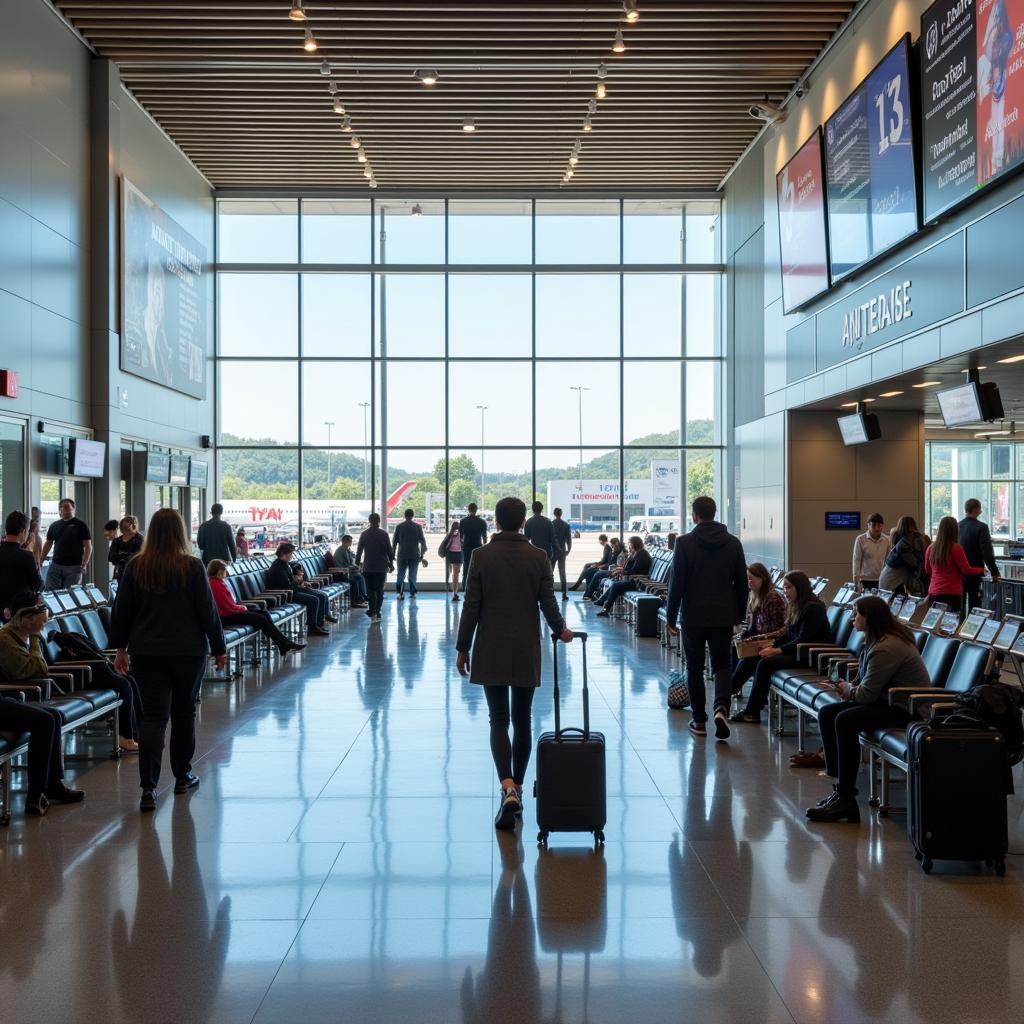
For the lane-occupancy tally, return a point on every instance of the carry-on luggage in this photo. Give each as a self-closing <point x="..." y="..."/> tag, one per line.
<point x="646" y="622"/>
<point x="956" y="794"/>
<point x="570" y="784"/>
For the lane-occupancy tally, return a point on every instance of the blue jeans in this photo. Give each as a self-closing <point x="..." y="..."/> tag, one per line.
<point x="594" y="586"/>
<point x="412" y="566"/>
<point x="358" y="585"/>
<point x="316" y="605"/>
<point x="612" y="594"/>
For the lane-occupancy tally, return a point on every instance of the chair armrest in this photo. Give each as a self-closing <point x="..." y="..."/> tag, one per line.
<point x="17" y="691"/>
<point x="940" y="706"/>
<point x="900" y="696"/>
<point x="807" y="653"/>
<point x="79" y="673"/>
<point x="260" y="606"/>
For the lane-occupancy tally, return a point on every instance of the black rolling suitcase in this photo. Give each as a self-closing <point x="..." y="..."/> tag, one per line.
<point x="570" y="784"/>
<point x="647" y="615"/>
<point x="956" y="794"/>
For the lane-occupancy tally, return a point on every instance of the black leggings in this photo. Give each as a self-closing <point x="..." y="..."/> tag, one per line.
<point x="374" y="591"/>
<point x="510" y="758"/>
<point x="262" y="621"/>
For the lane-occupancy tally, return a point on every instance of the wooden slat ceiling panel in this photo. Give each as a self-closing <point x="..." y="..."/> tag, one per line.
<point x="230" y="82"/>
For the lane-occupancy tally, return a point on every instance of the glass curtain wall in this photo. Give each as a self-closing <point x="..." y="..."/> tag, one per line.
<point x="410" y="353"/>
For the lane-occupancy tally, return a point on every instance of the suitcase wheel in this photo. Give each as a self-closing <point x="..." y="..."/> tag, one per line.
<point x="926" y="865"/>
<point x="599" y="838"/>
<point x="542" y="838"/>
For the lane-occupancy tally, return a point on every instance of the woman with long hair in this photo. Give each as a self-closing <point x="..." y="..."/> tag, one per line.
<point x="947" y="565"/>
<point x="904" y="565"/>
<point x="888" y="658"/>
<point x="766" y="617"/>
<point x="453" y="559"/>
<point x="806" y="622"/>
<point x="164" y="625"/>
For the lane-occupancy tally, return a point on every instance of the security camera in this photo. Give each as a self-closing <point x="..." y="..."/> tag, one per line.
<point x="767" y="112"/>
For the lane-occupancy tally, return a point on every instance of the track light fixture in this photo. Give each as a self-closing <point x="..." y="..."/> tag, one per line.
<point x="619" y="45"/>
<point x="372" y="183"/>
<point x="355" y="143"/>
<point x="469" y="125"/>
<point x="428" y="76"/>
<point x="602" y="70"/>
<point x="630" y="10"/>
<point x="601" y="91"/>
<point x="346" y="124"/>
<point x="361" y="156"/>
<point x="297" y="13"/>
<point x="368" y="173"/>
<point x="592" y="107"/>
<point x="588" y="125"/>
<point x="577" y="146"/>
<point x="417" y="210"/>
<point x="574" y="159"/>
<point x="339" y="107"/>
<point x="569" y="172"/>
<point x="325" y="68"/>
<point x="310" y="43"/>
<point x="332" y="88"/>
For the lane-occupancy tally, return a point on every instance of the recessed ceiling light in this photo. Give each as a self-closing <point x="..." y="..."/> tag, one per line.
<point x="993" y="433"/>
<point x="890" y="394"/>
<point x="469" y="125"/>
<point x="619" y="45"/>
<point x="849" y="405"/>
<point x="976" y="368"/>
<point x="309" y="44"/>
<point x="297" y="13"/>
<point x="428" y="76"/>
<point x="631" y="12"/>
<point x="927" y="384"/>
<point x="1011" y="359"/>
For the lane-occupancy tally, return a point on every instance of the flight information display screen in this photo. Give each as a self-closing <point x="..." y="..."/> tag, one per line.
<point x="870" y="171"/>
<point x="804" y="248"/>
<point x="972" y="97"/>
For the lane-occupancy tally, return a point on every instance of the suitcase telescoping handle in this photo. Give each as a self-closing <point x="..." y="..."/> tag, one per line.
<point x="586" y="693"/>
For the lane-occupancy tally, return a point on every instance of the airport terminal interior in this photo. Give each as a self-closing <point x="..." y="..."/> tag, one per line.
<point x="277" y="275"/>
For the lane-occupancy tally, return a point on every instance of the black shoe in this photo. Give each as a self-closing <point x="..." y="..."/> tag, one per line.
<point x="401" y="597"/>
<point x="827" y="801"/>
<point x="148" y="801"/>
<point x="842" y="808"/>
<point x="317" y="631"/>
<point x="455" y="598"/>
<point x="37" y="804"/>
<point x="290" y="648"/>
<point x="698" y="728"/>
<point x="510" y="806"/>
<point x="412" y="596"/>
<point x="369" y="614"/>
<point x="60" y="794"/>
<point x="332" y="618"/>
<point x="185" y="783"/>
<point x="721" y="726"/>
<point x="604" y="614"/>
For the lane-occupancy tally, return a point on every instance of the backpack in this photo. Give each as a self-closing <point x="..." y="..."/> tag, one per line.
<point x="75" y="645"/>
<point x="999" y="706"/>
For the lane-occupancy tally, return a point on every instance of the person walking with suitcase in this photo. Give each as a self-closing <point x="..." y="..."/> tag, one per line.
<point x="508" y="580"/>
<point x="709" y="583"/>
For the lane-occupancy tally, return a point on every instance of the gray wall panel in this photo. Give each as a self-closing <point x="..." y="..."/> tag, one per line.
<point x="747" y="280"/>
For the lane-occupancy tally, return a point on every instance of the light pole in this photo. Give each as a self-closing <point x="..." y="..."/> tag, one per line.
<point x="366" y="439"/>
<point x="483" y="410"/>
<point x="328" y="424"/>
<point x="579" y="389"/>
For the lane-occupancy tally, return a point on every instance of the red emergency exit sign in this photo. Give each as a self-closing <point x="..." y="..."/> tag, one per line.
<point x="9" y="383"/>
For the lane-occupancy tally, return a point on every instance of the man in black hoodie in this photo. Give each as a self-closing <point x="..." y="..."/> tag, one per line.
<point x="709" y="581"/>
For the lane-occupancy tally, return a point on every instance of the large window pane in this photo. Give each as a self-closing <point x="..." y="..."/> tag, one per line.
<point x="336" y="314"/>
<point x="577" y="315"/>
<point x="999" y="511"/>
<point x="259" y="403"/>
<point x="653" y="314"/>
<point x="702" y="403"/>
<point x="415" y="479"/>
<point x="703" y="241"/>
<point x="259" y="314"/>
<point x="575" y="231"/>
<point x="335" y="231"/>
<point x="409" y="231"/>
<point x="258" y="231"/>
<point x="260" y="492"/>
<point x="490" y="315"/>
<point x="652" y="231"/>
<point x="702" y="314"/>
<point x="490" y="231"/>
<point x="703" y="475"/>
<point x="585" y="486"/>
<point x="415" y="403"/>
<point x="561" y="408"/>
<point x="504" y="389"/>
<point x="335" y="493"/>
<point x="410" y="320"/>
<point x="651" y="402"/>
<point x="333" y="397"/>
<point x="487" y="476"/>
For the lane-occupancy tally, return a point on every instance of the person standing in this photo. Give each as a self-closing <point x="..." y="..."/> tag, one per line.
<point x="709" y="584"/>
<point x="215" y="538"/>
<point x="164" y="625"/>
<point x="451" y="551"/>
<point x="473" y="534"/>
<point x="976" y="540"/>
<point x="33" y="542"/>
<point x="72" y="548"/>
<point x="539" y="531"/>
<point x="869" y="551"/>
<point x="125" y="547"/>
<point x="409" y="547"/>
<point x="946" y="565"/>
<point x="241" y="543"/>
<point x="903" y="572"/>
<point x="508" y="581"/>
<point x="317" y="605"/>
<point x="18" y="570"/>
<point x="375" y="558"/>
<point x="561" y="545"/>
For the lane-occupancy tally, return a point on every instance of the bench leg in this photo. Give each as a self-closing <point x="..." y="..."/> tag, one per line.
<point x="801" y="730"/>
<point x="883" y="806"/>
<point x="115" y="731"/>
<point x="5" y="790"/>
<point x="872" y="778"/>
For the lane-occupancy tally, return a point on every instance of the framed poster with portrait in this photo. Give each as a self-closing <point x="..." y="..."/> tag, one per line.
<point x="164" y="275"/>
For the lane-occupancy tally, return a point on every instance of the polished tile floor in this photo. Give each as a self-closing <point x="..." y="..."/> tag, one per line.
<point x="339" y="864"/>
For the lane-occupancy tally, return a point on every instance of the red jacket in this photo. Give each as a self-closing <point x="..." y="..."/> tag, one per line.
<point x="226" y="604"/>
<point x="949" y="578"/>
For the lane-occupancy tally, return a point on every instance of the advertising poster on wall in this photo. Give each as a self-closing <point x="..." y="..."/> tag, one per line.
<point x="667" y="479"/>
<point x="972" y="97"/>
<point x="801" y="194"/>
<point x="163" y="297"/>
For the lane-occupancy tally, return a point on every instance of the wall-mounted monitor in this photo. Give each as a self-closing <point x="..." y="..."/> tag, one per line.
<point x="960" y="405"/>
<point x="179" y="471"/>
<point x="803" y="240"/>
<point x="158" y="467"/>
<point x="842" y="520"/>
<point x="198" y="473"/>
<point x="870" y="169"/>
<point x="859" y="428"/>
<point x="972" y="90"/>
<point x="86" y="458"/>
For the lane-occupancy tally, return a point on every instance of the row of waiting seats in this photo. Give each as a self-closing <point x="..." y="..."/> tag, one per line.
<point x="84" y="610"/>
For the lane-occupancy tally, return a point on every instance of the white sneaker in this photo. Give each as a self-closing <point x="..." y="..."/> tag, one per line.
<point x="510" y="807"/>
